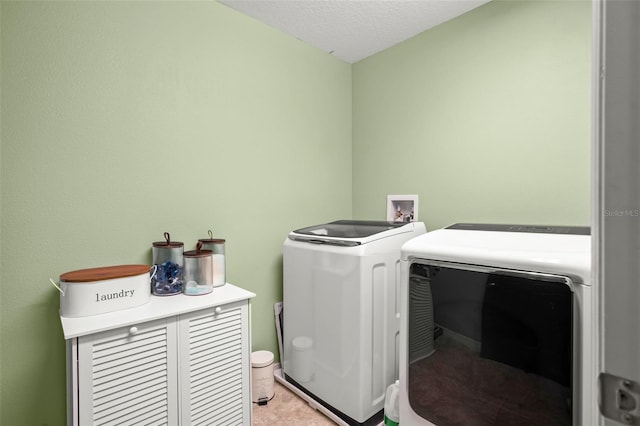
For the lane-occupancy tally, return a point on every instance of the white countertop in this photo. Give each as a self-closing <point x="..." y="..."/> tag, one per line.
<point x="157" y="307"/>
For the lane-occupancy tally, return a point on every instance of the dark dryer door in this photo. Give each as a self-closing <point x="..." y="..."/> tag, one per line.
<point x="489" y="348"/>
<point x="527" y="324"/>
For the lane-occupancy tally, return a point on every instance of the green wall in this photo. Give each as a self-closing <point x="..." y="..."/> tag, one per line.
<point x="486" y="118"/>
<point x="123" y="120"/>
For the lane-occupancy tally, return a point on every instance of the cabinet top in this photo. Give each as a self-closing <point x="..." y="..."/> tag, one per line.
<point x="157" y="307"/>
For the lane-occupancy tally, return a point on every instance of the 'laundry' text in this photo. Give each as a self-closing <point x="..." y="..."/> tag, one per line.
<point x="110" y="296"/>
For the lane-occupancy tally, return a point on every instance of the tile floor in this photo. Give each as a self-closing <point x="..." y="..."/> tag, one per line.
<point x="287" y="409"/>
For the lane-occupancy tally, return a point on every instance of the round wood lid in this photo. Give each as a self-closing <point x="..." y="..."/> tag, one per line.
<point x="167" y="243"/>
<point x="198" y="253"/>
<point x="104" y="273"/>
<point x="212" y="240"/>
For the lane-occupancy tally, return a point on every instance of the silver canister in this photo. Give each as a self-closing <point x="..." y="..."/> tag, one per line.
<point x="216" y="245"/>
<point x="167" y="257"/>
<point x="198" y="271"/>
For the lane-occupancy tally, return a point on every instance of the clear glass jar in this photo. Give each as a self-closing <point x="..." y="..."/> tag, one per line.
<point x="169" y="261"/>
<point x="198" y="271"/>
<point x="216" y="245"/>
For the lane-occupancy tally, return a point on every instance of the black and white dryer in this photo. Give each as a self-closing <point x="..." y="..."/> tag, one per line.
<point x="496" y="326"/>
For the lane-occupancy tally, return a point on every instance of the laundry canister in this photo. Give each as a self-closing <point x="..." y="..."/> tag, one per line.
<point x="105" y="289"/>
<point x="262" y="376"/>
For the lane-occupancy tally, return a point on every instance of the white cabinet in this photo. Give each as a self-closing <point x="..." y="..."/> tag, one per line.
<point x="129" y="375"/>
<point x="177" y="360"/>
<point x="215" y="360"/>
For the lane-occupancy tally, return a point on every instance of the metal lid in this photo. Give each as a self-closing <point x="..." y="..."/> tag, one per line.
<point x="104" y="273"/>
<point x="168" y="242"/>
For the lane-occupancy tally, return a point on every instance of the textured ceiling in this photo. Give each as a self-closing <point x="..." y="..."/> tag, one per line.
<point x="353" y="29"/>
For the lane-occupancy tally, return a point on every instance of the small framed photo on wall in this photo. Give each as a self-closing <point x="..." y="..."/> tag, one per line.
<point x="402" y="208"/>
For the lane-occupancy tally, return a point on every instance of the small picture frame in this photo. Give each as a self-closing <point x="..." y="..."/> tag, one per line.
<point x="402" y="208"/>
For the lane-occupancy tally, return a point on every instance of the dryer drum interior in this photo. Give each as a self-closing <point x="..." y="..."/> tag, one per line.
<point x="489" y="347"/>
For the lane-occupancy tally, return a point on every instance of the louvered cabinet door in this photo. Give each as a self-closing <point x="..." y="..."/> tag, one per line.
<point x="214" y="367"/>
<point x="128" y="376"/>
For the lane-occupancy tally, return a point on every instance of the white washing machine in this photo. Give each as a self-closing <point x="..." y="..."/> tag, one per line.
<point x="340" y="309"/>
<point x="496" y="326"/>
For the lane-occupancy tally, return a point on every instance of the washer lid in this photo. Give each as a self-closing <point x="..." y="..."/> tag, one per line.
<point x="353" y="233"/>
<point x="349" y="228"/>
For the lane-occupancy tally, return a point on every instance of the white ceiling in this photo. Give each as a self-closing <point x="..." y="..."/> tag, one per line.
<point x="353" y="29"/>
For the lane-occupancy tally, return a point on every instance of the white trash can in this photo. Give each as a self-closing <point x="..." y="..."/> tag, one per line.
<point x="262" y="377"/>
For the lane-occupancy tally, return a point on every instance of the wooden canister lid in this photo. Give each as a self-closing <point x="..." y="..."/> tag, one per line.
<point x="198" y="253"/>
<point x="212" y="240"/>
<point x="167" y="243"/>
<point x="104" y="273"/>
<point x="170" y="244"/>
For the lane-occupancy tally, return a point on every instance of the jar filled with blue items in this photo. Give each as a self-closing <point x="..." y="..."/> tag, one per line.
<point x="169" y="261"/>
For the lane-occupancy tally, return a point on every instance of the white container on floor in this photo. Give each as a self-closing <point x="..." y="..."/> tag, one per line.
<point x="391" y="406"/>
<point x="262" y="376"/>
